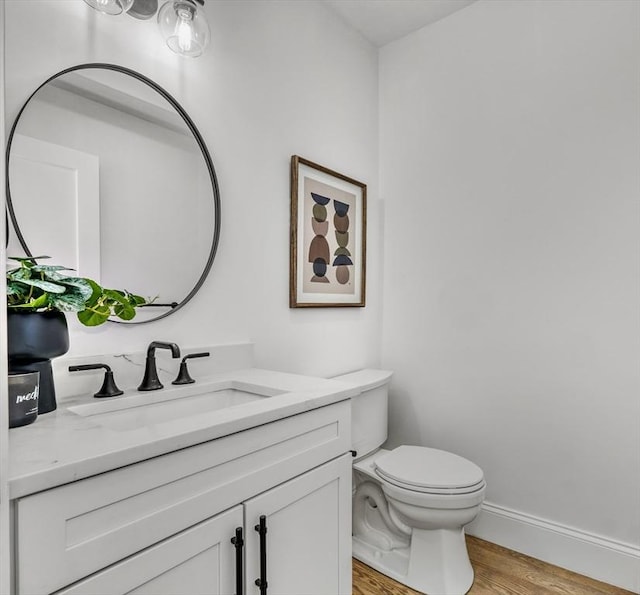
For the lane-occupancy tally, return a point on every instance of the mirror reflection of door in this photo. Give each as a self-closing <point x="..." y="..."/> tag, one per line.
<point x="115" y="166"/>
<point x="61" y="186"/>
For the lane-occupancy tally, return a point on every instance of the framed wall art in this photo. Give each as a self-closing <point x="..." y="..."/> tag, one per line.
<point x="327" y="239"/>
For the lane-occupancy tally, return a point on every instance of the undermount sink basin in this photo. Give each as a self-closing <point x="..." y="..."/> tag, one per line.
<point x="166" y="405"/>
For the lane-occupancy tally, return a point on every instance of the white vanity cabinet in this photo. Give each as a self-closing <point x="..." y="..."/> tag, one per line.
<point x="164" y="525"/>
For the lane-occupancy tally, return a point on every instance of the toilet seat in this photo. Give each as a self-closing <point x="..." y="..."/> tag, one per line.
<point x="429" y="471"/>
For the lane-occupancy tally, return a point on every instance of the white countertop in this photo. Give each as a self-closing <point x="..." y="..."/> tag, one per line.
<point x="61" y="446"/>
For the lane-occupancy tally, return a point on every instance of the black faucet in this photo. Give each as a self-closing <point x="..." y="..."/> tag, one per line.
<point x="151" y="380"/>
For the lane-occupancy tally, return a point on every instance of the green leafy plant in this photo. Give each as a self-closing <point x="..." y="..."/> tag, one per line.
<point x="34" y="287"/>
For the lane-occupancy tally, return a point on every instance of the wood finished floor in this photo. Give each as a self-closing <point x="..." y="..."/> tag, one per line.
<point x="498" y="571"/>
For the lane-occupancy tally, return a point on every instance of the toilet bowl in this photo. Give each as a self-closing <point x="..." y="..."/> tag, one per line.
<point x="410" y="504"/>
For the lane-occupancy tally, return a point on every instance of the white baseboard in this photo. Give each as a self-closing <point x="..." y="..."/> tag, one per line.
<point x="603" y="559"/>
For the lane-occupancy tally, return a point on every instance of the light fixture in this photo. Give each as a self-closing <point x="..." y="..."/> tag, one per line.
<point x="112" y="7"/>
<point x="184" y="27"/>
<point x="182" y="22"/>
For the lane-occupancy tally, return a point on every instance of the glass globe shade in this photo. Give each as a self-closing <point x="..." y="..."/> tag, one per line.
<point x="111" y="7"/>
<point x="184" y="27"/>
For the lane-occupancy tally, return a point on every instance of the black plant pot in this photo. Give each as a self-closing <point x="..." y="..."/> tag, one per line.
<point x="33" y="339"/>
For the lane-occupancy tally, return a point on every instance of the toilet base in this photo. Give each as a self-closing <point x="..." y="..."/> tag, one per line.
<point x="436" y="563"/>
<point x="392" y="563"/>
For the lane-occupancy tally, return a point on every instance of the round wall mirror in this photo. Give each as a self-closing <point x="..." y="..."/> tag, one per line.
<point x="108" y="175"/>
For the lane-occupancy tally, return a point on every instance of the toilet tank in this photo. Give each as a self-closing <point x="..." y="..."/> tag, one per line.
<point x="368" y="409"/>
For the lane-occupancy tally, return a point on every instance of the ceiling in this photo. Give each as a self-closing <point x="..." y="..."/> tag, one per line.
<point x="382" y="21"/>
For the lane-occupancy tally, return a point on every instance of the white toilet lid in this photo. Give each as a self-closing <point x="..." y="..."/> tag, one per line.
<point x="425" y="469"/>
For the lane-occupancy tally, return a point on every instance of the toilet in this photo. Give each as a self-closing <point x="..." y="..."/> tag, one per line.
<point x="410" y="504"/>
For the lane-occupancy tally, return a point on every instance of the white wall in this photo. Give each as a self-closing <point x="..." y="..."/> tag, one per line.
<point x="510" y="171"/>
<point x="280" y="78"/>
<point x="5" y="538"/>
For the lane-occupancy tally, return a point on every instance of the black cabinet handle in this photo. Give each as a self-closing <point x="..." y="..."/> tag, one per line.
<point x="262" y="530"/>
<point x="238" y="542"/>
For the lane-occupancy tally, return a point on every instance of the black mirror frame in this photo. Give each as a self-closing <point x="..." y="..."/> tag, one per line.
<point x="201" y="144"/>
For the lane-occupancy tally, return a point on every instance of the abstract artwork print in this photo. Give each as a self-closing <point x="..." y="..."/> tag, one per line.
<point x="327" y="238"/>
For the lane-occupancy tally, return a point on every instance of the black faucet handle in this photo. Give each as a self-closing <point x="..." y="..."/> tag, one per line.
<point x="183" y="374"/>
<point x="194" y="355"/>
<point x="109" y="387"/>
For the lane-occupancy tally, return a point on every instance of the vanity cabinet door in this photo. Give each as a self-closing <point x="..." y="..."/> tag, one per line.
<point x="308" y="534"/>
<point x="198" y="561"/>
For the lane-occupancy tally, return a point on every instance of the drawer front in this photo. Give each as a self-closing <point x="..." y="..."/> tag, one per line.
<point x="69" y="532"/>
<point x="198" y="560"/>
